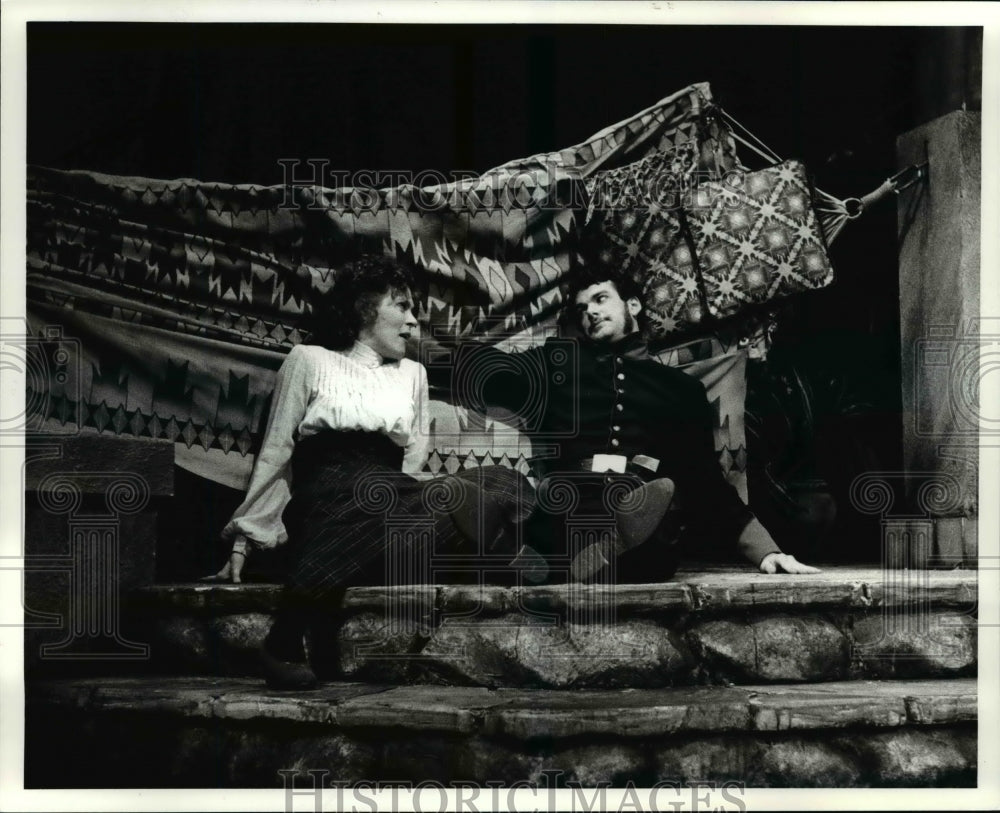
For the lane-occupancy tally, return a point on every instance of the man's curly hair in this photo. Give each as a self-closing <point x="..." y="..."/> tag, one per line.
<point x="594" y="273"/>
<point x="352" y="305"/>
<point x="589" y="269"/>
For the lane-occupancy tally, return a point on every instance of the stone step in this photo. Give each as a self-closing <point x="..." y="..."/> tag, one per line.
<point x="233" y="732"/>
<point x="721" y="626"/>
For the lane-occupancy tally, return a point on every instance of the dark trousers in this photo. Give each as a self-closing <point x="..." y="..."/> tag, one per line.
<point x="574" y="507"/>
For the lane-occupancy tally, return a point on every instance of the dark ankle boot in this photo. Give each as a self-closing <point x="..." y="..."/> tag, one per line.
<point x="476" y="515"/>
<point x="289" y="675"/>
<point x="642" y="512"/>
<point x="283" y="656"/>
<point x="533" y="567"/>
<point x="636" y="521"/>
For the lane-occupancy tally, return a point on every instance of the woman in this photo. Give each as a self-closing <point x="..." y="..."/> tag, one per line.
<point x="348" y="429"/>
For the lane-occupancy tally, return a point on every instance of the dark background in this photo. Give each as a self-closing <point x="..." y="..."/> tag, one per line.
<point x="226" y="102"/>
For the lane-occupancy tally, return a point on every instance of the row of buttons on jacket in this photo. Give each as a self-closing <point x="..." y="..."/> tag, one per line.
<point x="619" y="406"/>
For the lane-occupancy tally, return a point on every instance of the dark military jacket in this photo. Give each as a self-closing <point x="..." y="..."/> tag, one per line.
<point x="578" y="399"/>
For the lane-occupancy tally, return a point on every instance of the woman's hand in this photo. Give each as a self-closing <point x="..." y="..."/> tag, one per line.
<point x="784" y="563"/>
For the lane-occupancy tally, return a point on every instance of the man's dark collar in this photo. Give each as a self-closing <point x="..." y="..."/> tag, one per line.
<point x="632" y="346"/>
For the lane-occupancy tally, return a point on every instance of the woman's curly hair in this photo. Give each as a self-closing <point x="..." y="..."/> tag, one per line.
<point x="338" y="319"/>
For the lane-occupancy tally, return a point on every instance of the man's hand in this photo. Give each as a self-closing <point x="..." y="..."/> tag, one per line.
<point x="231" y="570"/>
<point x="784" y="563"/>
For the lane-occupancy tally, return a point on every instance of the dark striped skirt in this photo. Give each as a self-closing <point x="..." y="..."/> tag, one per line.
<point x="356" y="519"/>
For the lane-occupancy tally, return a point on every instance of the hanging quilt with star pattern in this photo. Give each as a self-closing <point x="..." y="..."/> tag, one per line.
<point x="757" y="238"/>
<point x="162" y="308"/>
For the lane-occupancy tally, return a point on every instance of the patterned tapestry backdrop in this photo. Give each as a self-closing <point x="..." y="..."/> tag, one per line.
<point x="162" y="308"/>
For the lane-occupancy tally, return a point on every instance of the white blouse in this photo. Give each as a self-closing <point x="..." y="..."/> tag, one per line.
<point x="319" y="389"/>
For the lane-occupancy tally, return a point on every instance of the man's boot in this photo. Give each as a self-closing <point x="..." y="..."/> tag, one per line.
<point x="637" y="517"/>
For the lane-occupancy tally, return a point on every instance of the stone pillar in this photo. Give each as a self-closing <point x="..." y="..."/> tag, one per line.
<point x="942" y="336"/>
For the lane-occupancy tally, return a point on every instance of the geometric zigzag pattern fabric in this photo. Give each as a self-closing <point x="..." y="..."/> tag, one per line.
<point x="175" y="301"/>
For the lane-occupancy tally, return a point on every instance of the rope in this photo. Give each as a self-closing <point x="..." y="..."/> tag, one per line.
<point x="903" y="179"/>
<point x="833" y="213"/>
<point x="761" y="148"/>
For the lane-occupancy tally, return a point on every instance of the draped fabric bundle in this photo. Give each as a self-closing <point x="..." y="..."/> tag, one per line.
<point x="637" y="209"/>
<point x="756" y="238"/>
<point x="161" y="309"/>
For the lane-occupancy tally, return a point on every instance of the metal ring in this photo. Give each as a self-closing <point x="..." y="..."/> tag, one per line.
<point x="857" y="205"/>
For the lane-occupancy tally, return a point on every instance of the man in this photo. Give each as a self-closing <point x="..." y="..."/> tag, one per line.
<point x="633" y="465"/>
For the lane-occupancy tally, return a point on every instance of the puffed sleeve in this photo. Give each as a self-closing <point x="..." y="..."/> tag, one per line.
<point x="259" y="517"/>
<point x="416" y="450"/>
